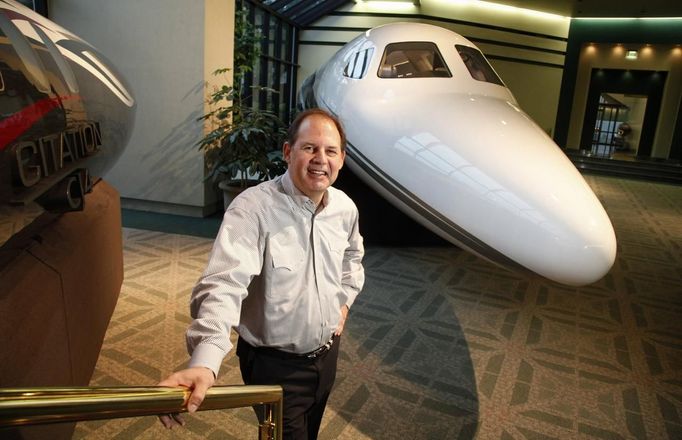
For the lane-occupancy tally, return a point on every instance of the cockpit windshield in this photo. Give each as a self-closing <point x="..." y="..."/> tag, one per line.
<point x="478" y="66"/>
<point x="414" y="59"/>
<point x="358" y="64"/>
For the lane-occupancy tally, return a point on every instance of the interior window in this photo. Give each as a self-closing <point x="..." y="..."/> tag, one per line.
<point x="358" y="64"/>
<point x="412" y="60"/>
<point x="478" y="66"/>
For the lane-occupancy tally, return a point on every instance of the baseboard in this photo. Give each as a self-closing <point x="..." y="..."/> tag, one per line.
<point x="170" y="208"/>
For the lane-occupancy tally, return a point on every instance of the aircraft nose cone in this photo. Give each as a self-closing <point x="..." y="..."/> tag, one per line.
<point x="580" y="241"/>
<point x="505" y="190"/>
<point x="597" y="255"/>
<point x="536" y="208"/>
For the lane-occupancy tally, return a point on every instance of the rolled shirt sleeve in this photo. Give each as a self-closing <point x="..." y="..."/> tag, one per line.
<point x="217" y="297"/>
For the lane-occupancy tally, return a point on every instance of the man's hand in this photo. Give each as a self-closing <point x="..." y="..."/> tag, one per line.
<point x="342" y="321"/>
<point x="198" y="380"/>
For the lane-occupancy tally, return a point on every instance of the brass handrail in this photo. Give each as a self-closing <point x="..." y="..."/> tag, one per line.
<point x="33" y="406"/>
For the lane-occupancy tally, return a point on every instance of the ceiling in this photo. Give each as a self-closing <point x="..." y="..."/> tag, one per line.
<point x="602" y="8"/>
<point x="304" y="12"/>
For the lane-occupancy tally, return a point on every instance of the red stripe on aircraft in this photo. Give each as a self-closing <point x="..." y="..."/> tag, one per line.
<point x="14" y="126"/>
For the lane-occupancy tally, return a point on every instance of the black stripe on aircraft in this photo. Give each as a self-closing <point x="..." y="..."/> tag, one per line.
<point x="456" y="232"/>
<point x="452" y="229"/>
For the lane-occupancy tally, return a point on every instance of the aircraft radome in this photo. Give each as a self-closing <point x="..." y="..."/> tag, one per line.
<point x="433" y="129"/>
<point x="65" y="113"/>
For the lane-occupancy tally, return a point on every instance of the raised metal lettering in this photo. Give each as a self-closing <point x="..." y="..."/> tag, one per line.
<point x="27" y="163"/>
<point x="50" y="152"/>
<point x="88" y="134"/>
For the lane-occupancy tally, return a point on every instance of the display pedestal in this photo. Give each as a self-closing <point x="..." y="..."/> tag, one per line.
<point x="60" y="277"/>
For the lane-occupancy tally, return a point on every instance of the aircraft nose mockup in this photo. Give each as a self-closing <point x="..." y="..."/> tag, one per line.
<point x="67" y="113"/>
<point x="487" y="178"/>
<point x="433" y="129"/>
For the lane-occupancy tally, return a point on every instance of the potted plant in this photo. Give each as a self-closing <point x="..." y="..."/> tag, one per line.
<point x="243" y="145"/>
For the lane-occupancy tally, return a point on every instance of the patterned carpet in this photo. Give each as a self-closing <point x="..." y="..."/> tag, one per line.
<point x="442" y="345"/>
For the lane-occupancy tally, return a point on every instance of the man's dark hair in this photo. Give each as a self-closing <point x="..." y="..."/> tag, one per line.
<point x="295" y="126"/>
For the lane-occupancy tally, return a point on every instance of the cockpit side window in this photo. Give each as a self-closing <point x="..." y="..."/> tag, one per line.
<point x="415" y="59"/>
<point x="358" y="64"/>
<point x="478" y="66"/>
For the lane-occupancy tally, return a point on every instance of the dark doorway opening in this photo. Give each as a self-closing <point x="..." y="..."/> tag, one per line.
<point x="607" y="126"/>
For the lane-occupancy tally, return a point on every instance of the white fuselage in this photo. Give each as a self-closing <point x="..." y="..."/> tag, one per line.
<point x="458" y="155"/>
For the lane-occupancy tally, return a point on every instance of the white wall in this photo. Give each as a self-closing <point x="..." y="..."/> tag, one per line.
<point x="166" y="49"/>
<point x="526" y="72"/>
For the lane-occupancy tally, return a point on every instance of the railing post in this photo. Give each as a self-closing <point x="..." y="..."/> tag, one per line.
<point x="266" y="430"/>
<point x="271" y="427"/>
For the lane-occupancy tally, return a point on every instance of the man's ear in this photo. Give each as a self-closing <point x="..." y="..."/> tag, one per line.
<point x="286" y="151"/>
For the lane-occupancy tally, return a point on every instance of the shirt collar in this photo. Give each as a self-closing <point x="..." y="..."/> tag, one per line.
<point x="299" y="198"/>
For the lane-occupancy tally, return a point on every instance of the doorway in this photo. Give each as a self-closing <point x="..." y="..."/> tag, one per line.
<point x="618" y="128"/>
<point x="622" y="112"/>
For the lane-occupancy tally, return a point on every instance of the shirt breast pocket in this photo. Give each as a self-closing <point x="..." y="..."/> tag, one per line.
<point x="337" y="248"/>
<point x="289" y="260"/>
<point x="286" y="271"/>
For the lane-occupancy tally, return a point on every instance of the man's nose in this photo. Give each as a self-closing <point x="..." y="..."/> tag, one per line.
<point x="319" y="156"/>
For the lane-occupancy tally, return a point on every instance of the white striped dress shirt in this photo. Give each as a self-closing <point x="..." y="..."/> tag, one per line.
<point x="278" y="273"/>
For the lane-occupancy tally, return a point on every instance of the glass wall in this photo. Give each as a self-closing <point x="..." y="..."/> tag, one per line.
<point x="40" y="6"/>
<point x="275" y="73"/>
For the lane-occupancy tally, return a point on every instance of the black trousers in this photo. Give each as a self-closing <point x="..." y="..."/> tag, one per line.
<point x="306" y="383"/>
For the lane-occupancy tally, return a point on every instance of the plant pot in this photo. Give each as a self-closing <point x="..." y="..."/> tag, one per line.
<point x="232" y="188"/>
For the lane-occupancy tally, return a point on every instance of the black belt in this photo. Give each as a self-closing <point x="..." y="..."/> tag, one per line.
<point x="274" y="352"/>
<point x="321" y="350"/>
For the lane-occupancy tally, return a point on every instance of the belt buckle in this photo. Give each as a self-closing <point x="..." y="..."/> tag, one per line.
<point x="318" y="351"/>
<point x="315" y="353"/>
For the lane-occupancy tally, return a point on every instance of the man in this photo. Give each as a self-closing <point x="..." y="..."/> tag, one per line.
<point x="284" y="272"/>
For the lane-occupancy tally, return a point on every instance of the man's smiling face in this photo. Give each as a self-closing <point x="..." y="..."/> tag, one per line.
<point x="316" y="157"/>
